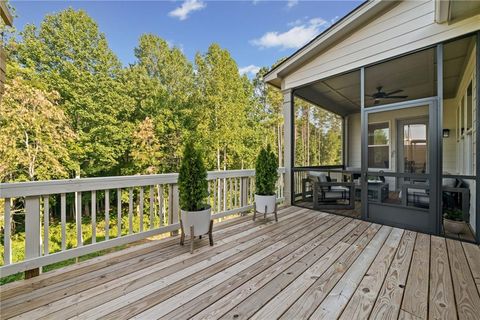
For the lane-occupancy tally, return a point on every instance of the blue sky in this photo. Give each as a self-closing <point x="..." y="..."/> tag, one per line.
<point x="257" y="33"/>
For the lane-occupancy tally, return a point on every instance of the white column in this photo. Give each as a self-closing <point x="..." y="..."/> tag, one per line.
<point x="287" y="158"/>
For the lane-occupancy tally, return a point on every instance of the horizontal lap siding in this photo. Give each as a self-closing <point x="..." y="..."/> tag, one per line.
<point x="406" y="27"/>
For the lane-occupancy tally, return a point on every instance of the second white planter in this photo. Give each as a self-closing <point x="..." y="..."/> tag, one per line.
<point x="200" y="220"/>
<point x="265" y="204"/>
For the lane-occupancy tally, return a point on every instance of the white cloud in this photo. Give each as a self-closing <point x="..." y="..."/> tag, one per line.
<point x="292" y="3"/>
<point x="251" y="69"/>
<point x="293" y="38"/>
<point x="186" y="8"/>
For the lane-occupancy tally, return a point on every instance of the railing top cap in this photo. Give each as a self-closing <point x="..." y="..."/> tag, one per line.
<point x="37" y="188"/>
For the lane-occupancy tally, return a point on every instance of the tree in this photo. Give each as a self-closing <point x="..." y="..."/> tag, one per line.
<point x="72" y="57"/>
<point x="222" y="107"/>
<point x="271" y="113"/>
<point x="145" y="149"/>
<point x="34" y="135"/>
<point x="161" y="84"/>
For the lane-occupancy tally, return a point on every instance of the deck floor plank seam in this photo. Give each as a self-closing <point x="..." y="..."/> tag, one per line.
<point x="70" y="289"/>
<point x="271" y="267"/>
<point x="306" y="304"/>
<point x="160" y="270"/>
<point x="308" y="265"/>
<point x="140" y="293"/>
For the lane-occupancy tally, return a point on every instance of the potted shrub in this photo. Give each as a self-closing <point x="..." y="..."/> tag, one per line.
<point x="193" y="188"/>
<point x="453" y="221"/>
<point x="266" y="175"/>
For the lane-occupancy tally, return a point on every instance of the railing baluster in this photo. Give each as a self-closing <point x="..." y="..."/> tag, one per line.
<point x="63" y="220"/>
<point x="130" y="210"/>
<point x="173" y="206"/>
<point x="230" y="193"/>
<point x="94" y="216"/>
<point x="141" y="209"/>
<point x="219" y="195"/>
<point x="225" y="186"/>
<point x="78" y="218"/>
<point x="152" y="203"/>
<point x="161" y="214"/>
<point x="214" y="182"/>
<point x="235" y="192"/>
<point x="46" y="222"/>
<point x="107" y="214"/>
<point x="7" y="255"/>
<point x="119" y="212"/>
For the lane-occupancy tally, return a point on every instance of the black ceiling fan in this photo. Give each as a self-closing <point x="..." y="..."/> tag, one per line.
<point x="380" y="95"/>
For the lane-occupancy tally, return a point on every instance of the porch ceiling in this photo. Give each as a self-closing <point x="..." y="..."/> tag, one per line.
<point x="415" y="74"/>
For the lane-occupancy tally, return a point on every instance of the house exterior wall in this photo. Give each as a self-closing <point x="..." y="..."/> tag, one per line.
<point x="450" y="121"/>
<point x="450" y="143"/>
<point x="406" y="27"/>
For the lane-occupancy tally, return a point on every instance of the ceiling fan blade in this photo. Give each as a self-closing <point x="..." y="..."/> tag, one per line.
<point x="397" y="97"/>
<point x="393" y="92"/>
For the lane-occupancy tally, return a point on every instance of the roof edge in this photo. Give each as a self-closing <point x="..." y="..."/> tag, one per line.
<point x="336" y="31"/>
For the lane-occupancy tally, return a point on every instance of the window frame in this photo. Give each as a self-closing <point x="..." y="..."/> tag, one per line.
<point x="389" y="145"/>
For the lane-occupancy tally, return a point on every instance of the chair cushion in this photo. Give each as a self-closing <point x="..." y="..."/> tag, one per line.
<point x="449" y="182"/>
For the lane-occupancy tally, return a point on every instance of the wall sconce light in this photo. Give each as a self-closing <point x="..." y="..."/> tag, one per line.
<point x="446" y="133"/>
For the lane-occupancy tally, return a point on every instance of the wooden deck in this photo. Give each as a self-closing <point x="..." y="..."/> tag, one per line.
<point x="308" y="265"/>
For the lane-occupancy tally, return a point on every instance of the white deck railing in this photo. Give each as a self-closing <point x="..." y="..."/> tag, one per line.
<point x="152" y="199"/>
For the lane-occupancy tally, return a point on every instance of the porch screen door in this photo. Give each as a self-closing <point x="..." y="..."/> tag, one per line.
<point x="399" y="167"/>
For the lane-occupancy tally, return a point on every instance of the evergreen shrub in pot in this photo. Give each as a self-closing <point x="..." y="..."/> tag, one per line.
<point x="193" y="188"/>
<point x="266" y="176"/>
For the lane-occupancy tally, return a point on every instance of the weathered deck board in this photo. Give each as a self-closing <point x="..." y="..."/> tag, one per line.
<point x="309" y="264"/>
<point x="390" y="297"/>
<point x="441" y="298"/>
<point x="364" y="297"/>
<point x="466" y="294"/>
<point x="415" y="300"/>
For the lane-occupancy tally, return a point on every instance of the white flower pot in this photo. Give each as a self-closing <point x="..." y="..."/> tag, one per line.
<point x="200" y="220"/>
<point x="265" y="201"/>
<point x="452" y="226"/>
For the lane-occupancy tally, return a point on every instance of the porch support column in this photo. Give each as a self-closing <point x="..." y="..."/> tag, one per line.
<point x="288" y="145"/>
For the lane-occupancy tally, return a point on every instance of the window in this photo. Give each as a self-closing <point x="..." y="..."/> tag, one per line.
<point x="469" y="106"/>
<point x="462" y="117"/>
<point x="379" y="145"/>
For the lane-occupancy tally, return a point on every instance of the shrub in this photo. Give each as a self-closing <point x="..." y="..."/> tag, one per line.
<point x="453" y="214"/>
<point x="266" y="174"/>
<point x="192" y="180"/>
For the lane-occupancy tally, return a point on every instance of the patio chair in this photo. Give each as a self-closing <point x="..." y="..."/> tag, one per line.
<point x="327" y="193"/>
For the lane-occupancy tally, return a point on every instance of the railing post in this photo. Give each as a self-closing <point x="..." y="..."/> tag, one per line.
<point x="173" y="207"/>
<point x="32" y="232"/>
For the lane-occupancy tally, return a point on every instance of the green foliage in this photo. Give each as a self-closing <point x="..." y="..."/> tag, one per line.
<point x="318" y="136"/>
<point x="223" y="99"/>
<point x="266" y="174"/>
<point x="192" y="180"/>
<point x="69" y="55"/>
<point x="18" y="240"/>
<point x="35" y="135"/>
<point x="453" y="214"/>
